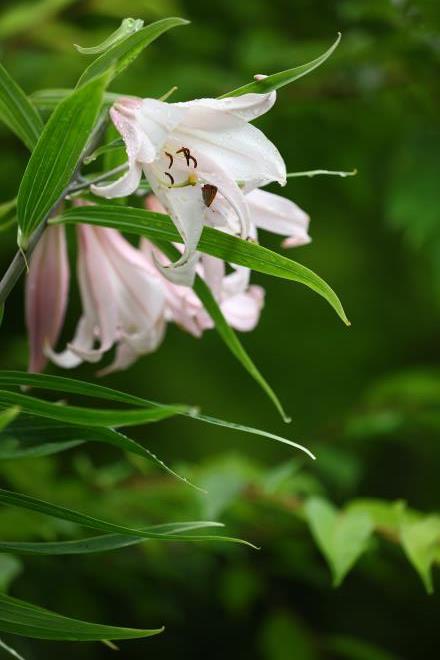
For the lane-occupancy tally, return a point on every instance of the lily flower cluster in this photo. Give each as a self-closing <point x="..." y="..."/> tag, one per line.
<point x="205" y="163"/>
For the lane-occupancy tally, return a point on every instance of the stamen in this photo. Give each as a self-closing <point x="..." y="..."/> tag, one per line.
<point x="170" y="156"/>
<point x="208" y="193"/>
<point x="187" y="153"/>
<point x="170" y="176"/>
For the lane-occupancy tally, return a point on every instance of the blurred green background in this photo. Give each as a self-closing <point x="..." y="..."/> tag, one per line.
<point x="356" y="395"/>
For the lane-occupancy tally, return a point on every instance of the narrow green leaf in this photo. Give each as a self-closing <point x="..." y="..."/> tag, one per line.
<point x="421" y="543"/>
<point x="277" y="80"/>
<point x="127" y="27"/>
<point x="57" y="155"/>
<point x="62" y="513"/>
<point x="88" y="416"/>
<point x="120" y="56"/>
<point x="22" y="618"/>
<point x="103" y="543"/>
<point x="157" y="226"/>
<point x="17" y="111"/>
<point x="33" y="436"/>
<point x="227" y="333"/>
<point x="341" y="537"/>
<point x="72" y="386"/>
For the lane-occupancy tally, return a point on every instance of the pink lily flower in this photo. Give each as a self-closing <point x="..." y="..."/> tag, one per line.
<point x="123" y="302"/>
<point x="46" y="294"/>
<point x="240" y="302"/>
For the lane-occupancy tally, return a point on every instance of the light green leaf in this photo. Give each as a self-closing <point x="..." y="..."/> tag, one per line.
<point x="421" y="543"/>
<point x="24" y="15"/>
<point x="10" y="650"/>
<point x="342" y="537"/>
<point x="103" y="543"/>
<point x="127" y="27"/>
<point x="21" y="618"/>
<point x="277" y="80"/>
<point x="17" y="111"/>
<point x="157" y="226"/>
<point x="72" y="386"/>
<point x="62" y="513"/>
<point x="57" y="155"/>
<point x="10" y="568"/>
<point x="88" y="416"/>
<point x="120" y="56"/>
<point x="7" y="416"/>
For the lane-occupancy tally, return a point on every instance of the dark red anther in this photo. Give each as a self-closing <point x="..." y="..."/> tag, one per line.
<point x="170" y="156"/>
<point x="170" y="176"/>
<point x="208" y="193"/>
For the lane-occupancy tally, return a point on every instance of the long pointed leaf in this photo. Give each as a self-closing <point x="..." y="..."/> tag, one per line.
<point x="277" y="80"/>
<point x="22" y="618"/>
<point x="72" y="386"/>
<point x="121" y="55"/>
<point x="214" y="242"/>
<point x="88" y="416"/>
<point x="103" y="543"/>
<point x="63" y="513"/>
<point x="57" y="155"/>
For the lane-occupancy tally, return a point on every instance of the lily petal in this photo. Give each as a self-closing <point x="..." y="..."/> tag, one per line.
<point x="280" y="216"/>
<point x="246" y="106"/>
<point x="47" y="286"/>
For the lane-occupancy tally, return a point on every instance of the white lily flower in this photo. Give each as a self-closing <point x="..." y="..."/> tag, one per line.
<point x="123" y="302"/>
<point x="194" y="154"/>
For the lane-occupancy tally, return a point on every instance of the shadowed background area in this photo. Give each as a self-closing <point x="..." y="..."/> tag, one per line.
<point x="351" y="392"/>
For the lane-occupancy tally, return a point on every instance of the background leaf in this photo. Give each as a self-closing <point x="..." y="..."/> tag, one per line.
<point x="421" y="543"/>
<point x="18" y="112"/>
<point x="341" y="537"/>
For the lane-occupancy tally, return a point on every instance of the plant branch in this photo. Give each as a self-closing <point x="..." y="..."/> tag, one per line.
<point x="82" y="185"/>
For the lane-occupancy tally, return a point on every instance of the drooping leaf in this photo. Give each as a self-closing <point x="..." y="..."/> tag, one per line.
<point x="63" y="513"/>
<point x="103" y="543"/>
<point x="57" y="155"/>
<point x="127" y="27"/>
<point x="33" y="436"/>
<point x="342" y="537"/>
<point x="157" y="226"/>
<point x="277" y="80"/>
<point x="227" y="333"/>
<point x="22" y="618"/>
<point x="88" y="416"/>
<point x="120" y="56"/>
<point x="18" y="112"/>
<point x="421" y="543"/>
<point x="72" y="386"/>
